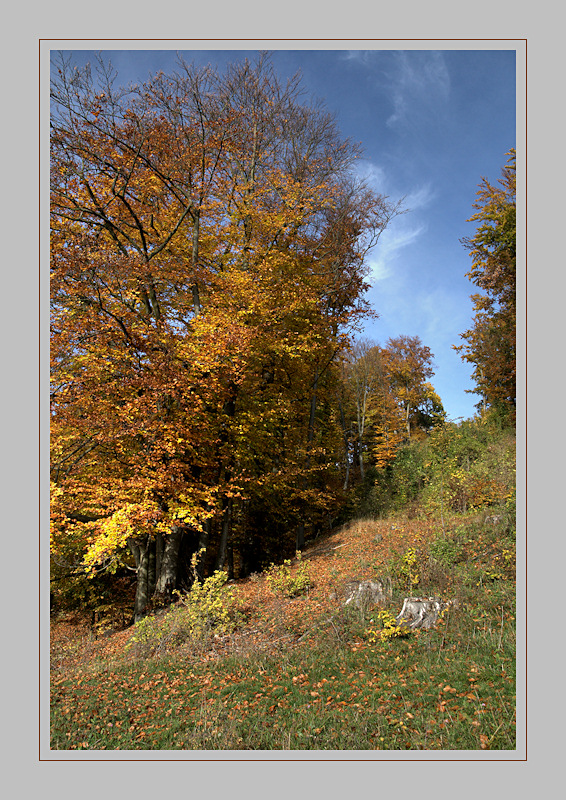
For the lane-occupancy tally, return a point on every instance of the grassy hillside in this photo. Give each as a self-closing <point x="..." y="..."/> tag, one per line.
<point x="271" y="671"/>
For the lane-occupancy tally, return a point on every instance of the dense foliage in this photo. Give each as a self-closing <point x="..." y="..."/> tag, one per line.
<point x="490" y="345"/>
<point x="457" y="468"/>
<point x="207" y="271"/>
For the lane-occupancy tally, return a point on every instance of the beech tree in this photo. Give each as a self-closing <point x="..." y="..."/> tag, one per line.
<point x="207" y="266"/>
<point x="387" y="428"/>
<point x="490" y="345"/>
<point x="386" y="399"/>
<point x="366" y="380"/>
<point x="409" y="364"/>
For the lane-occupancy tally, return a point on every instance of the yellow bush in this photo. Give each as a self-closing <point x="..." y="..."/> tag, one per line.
<point x="283" y="581"/>
<point x="208" y="608"/>
<point x="390" y="629"/>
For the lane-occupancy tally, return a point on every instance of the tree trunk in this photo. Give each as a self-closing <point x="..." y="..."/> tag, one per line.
<point x="300" y="537"/>
<point x="167" y="579"/>
<point x="141" y="555"/>
<point x="225" y="535"/>
<point x="346" y="444"/>
<point x="159" y="548"/>
<point x="230" y="562"/>
<point x="203" y="540"/>
<point x="361" y="404"/>
<point x="151" y="569"/>
<point x="355" y="452"/>
<point x="194" y="260"/>
<point x="157" y="567"/>
<point x="361" y="460"/>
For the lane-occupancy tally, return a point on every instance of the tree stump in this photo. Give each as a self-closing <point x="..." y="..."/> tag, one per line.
<point x="365" y="594"/>
<point x="419" y="612"/>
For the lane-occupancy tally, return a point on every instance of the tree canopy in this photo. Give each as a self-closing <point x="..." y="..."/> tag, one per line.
<point x="208" y="243"/>
<point x="490" y="345"/>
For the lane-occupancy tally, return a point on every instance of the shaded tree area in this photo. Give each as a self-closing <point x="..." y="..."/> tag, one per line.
<point x="208" y="243"/>
<point x="458" y="468"/>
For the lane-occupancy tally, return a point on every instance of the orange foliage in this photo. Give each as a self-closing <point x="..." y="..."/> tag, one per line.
<point x="207" y="255"/>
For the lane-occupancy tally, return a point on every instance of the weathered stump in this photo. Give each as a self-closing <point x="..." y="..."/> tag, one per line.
<point x="419" y="612"/>
<point x="365" y="594"/>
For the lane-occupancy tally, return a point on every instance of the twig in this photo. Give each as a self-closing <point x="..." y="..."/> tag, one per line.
<point x="325" y="550"/>
<point x="336" y="631"/>
<point x="495" y="732"/>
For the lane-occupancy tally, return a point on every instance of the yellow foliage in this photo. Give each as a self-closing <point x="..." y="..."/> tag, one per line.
<point x="390" y="629"/>
<point x="112" y="534"/>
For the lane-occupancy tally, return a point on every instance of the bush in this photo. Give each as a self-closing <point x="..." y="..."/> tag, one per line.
<point x="209" y="608"/>
<point x="457" y="467"/>
<point x="469" y="467"/>
<point x="389" y="630"/>
<point x="282" y="581"/>
<point x="404" y="569"/>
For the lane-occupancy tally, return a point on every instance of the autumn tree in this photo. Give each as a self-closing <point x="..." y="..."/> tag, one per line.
<point x="207" y="265"/>
<point x="387" y="399"/>
<point x="406" y="405"/>
<point x="490" y="345"/>
<point x="365" y="380"/>
<point x="387" y="428"/>
<point x="409" y="365"/>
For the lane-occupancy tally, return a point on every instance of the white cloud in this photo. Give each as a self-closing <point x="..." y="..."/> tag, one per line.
<point x="376" y="178"/>
<point x="419" y="83"/>
<point x="419" y="197"/>
<point x="402" y="231"/>
<point x="372" y="174"/>
<point x="390" y="243"/>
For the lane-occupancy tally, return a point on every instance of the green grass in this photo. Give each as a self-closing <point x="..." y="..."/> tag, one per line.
<point x="431" y="692"/>
<point x="452" y="688"/>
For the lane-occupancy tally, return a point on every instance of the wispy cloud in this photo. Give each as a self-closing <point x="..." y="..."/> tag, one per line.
<point x="419" y="83"/>
<point x="373" y="175"/>
<point x="376" y="178"/>
<point x="391" y="241"/>
<point x="361" y="56"/>
<point x="420" y="197"/>
<point x="403" y="231"/>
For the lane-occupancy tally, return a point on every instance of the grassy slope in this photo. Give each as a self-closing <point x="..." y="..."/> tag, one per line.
<point x="302" y="674"/>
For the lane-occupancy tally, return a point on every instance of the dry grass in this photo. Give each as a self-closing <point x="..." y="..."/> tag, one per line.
<point x="358" y="550"/>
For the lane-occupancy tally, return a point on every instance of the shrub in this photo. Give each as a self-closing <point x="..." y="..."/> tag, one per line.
<point x="209" y="608"/>
<point x="405" y="568"/>
<point x="457" y="467"/>
<point x="282" y="581"/>
<point x="469" y="467"/>
<point x="389" y="630"/>
<point x="446" y="551"/>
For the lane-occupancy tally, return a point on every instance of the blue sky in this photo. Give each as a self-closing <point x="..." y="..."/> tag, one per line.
<point x="432" y="123"/>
